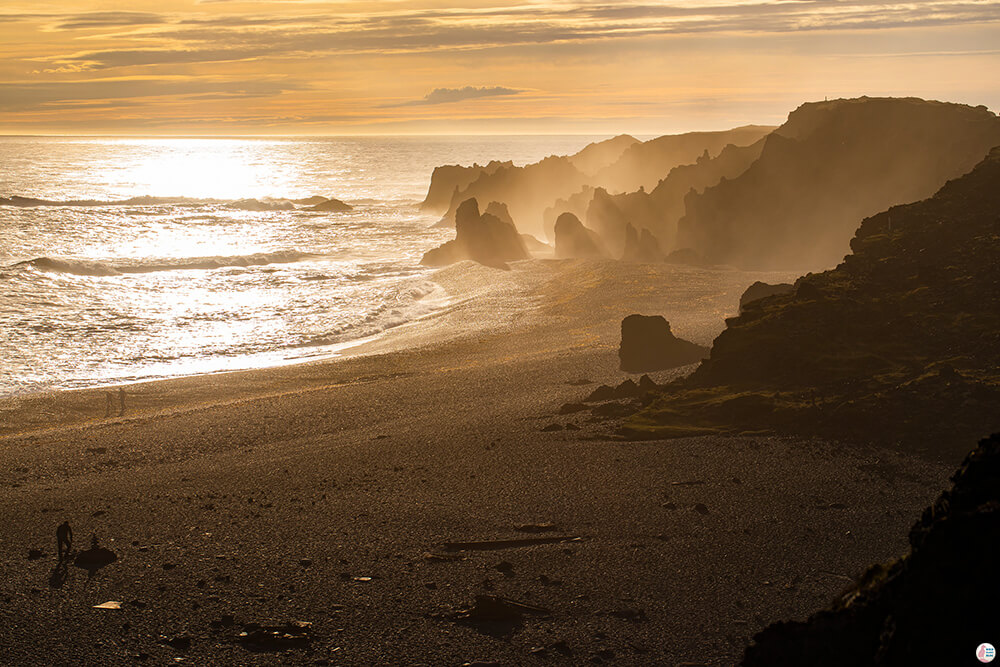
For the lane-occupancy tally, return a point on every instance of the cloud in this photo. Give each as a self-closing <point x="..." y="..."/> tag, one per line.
<point x="450" y="95"/>
<point x="93" y="20"/>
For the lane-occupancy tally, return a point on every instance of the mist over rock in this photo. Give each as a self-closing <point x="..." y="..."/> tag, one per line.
<point x="645" y="163"/>
<point x="933" y="606"/>
<point x="830" y="165"/>
<point x="761" y="290"/>
<point x="535" y="193"/>
<point x="641" y="247"/>
<point x="480" y="237"/>
<point x="447" y="180"/>
<point x="574" y="241"/>
<point x="649" y="345"/>
<point x="899" y="343"/>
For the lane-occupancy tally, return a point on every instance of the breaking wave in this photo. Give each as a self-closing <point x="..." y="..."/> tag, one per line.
<point x="87" y="268"/>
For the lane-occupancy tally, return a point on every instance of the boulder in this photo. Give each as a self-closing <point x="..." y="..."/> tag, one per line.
<point x="573" y="240"/>
<point x="760" y="290"/>
<point x="648" y="345"/>
<point x="641" y="246"/>
<point x="483" y="238"/>
<point x="331" y="206"/>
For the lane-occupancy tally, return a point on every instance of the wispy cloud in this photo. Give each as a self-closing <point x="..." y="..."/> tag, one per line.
<point x="450" y="95"/>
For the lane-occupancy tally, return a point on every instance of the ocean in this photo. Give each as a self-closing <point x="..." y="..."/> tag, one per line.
<point x="162" y="257"/>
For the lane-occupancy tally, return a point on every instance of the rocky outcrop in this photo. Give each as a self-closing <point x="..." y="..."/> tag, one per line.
<point x="649" y="345"/>
<point x="620" y="164"/>
<point x="332" y="206"/>
<point x="644" y="164"/>
<point x="900" y="343"/>
<point x="641" y="247"/>
<point x="934" y="606"/>
<point x="574" y="241"/>
<point x="483" y="238"/>
<point x="760" y="290"/>
<point x="830" y="165"/>
<point x="448" y="180"/>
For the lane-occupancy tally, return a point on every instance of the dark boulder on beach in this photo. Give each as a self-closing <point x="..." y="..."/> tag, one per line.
<point x="649" y="345"/>
<point x="574" y="241"/>
<point x="331" y="206"/>
<point x="483" y="238"/>
<point x="760" y="290"/>
<point x="933" y="606"/>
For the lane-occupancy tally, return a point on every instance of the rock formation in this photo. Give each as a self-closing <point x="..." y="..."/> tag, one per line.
<point x="761" y="290"/>
<point x="332" y="206"/>
<point x="899" y="343"/>
<point x="830" y="165"/>
<point x="480" y="237"/>
<point x="574" y="241"/>
<point x="934" y="606"/>
<point x="648" y="345"/>
<point x="448" y="180"/>
<point x="641" y="247"/>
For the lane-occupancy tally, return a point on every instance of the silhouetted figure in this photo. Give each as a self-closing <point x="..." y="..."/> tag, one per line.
<point x="109" y="403"/>
<point x="121" y="401"/>
<point x="64" y="538"/>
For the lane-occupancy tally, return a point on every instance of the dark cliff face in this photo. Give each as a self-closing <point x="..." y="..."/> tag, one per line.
<point x="830" y="165"/>
<point x="899" y="342"/>
<point x="934" y="606"/>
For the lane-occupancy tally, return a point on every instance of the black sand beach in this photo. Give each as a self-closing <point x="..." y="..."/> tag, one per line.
<point x="335" y="493"/>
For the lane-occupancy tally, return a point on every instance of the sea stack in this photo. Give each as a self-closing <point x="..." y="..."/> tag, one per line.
<point x="649" y="345"/>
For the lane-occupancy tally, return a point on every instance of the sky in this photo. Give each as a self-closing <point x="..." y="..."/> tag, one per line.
<point x="304" y="67"/>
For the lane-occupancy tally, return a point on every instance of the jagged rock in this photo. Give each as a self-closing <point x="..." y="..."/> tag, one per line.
<point x="856" y="353"/>
<point x="933" y="606"/>
<point x="448" y="180"/>
<point x="646" y="384"/>
<point x="480" y="237"/>
<point x="602" y="393"/>
<point x="641" y="247"/>
<point x="830" y="165"/>
<point x="532" y="244"/>
<point x="648" y="345"/>
<point x="760" y="290"/>
<point x="499" y="210"/>
<point x="331" y="206"/>
<point x="296" y="634"/>
<point x="574" y="241"/>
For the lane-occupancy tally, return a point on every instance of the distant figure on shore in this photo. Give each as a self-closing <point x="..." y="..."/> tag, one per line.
<point x="121" y="401"/>
<point x="109" y="403"/>
<point x="64" y="538"/>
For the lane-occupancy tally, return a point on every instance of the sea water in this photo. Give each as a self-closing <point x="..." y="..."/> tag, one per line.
<point x="163" y="257"/>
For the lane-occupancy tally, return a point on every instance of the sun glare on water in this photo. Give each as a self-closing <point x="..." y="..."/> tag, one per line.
<point x="202" y="168"/>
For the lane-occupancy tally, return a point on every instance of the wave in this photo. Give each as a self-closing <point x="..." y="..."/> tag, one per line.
<point x="264" y="204"/>
<point x="410" y="304"/>
<point x="85" y="268"/>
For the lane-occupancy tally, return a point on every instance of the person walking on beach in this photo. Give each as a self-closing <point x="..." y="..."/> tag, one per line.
<point x="121" y="401"/>
<point x="109" y="403"/>
<point x="64" y="538"/>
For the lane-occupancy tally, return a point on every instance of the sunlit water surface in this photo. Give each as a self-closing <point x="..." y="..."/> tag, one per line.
<point x="188" y="278"/>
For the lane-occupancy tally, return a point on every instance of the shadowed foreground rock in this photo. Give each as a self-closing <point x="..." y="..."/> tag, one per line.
<point x="648" y="345"/>
<point x="899" y="344"/>
<point x="761" y="290"/>
<point x="484" y="238"/>
<point x="933" y="606"/>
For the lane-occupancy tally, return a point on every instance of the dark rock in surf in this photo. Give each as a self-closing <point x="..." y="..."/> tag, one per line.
<point x="641" y="246"/>
<point x="331" y="206"/>
<point x="648" y="345"/>
<point x="483" y="238"/>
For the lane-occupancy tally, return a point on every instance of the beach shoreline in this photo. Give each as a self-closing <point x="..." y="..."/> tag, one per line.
<point x="328" y="492"/>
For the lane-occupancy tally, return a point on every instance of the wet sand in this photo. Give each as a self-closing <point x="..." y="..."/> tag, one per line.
<point x="329" y="493"/>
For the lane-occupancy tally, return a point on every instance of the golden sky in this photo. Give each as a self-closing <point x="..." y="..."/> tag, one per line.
<point x="479" y="66"/>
